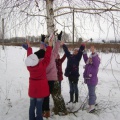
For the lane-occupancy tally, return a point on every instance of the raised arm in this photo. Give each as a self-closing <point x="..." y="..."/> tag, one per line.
<point x="63" y="58"/>
<point x="46" y="59"/>
<point x="29" y="49"/>
<point x="80" y="52"/>
<point x="56" y="48"/>
<point x="42" y="43"/>
<point x="57" y="45"/>
<point x="85" y="57"/>
<point x="95" y="60"/>
<point x="67" y="53"/>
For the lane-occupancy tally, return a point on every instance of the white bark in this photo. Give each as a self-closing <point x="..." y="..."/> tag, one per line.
<point x="50" y="17"/>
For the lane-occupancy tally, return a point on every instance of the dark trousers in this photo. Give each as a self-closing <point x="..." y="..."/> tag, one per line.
<point x="46" y="101"/>
<point x="35" y="105"/>
<point x="73" y="83"/>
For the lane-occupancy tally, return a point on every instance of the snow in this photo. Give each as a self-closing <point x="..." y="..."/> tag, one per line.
<point x="14" y="100"/>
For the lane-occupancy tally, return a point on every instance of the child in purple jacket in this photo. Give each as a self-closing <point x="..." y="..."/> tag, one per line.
<point x="90" y="76"/>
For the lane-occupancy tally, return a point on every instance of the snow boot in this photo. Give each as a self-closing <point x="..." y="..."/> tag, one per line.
<point x="76" y="98"/>
<point x="46" y="114"/>
<point x="91" y="109"/>
<point x="71" y="98"/>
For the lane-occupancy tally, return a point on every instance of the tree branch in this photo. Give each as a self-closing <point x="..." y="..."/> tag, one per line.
<point x="33" y="14"/>
<point x="84" y="9"/>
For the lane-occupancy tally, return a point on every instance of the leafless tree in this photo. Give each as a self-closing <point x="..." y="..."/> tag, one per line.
<point x="29" y="17"/>
<point x="23" y="15"/>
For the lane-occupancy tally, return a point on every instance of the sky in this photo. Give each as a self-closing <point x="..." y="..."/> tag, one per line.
<point x="87" y="26"/>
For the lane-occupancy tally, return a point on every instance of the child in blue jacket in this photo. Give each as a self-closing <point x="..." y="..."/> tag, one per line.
<point x="72" y="70"/>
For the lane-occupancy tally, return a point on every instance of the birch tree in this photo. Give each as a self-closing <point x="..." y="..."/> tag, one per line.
<point x="23" y="15"/>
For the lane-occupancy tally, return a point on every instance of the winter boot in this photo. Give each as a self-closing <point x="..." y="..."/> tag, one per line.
<point x="46" y="114"/>
<point x="91" y="109"/>
<point x="76" y="98"/>
<point x="71" y="98"/>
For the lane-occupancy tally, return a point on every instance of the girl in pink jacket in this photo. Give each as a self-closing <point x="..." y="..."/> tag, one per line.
<point x="51" y="71"/>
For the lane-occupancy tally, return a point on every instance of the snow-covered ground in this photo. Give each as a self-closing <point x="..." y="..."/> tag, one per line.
<point x="14" y="100"/>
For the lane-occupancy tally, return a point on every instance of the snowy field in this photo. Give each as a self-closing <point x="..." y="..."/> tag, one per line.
<point x="14" y="100"/>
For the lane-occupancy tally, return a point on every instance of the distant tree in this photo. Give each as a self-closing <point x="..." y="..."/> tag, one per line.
<point x="66" y="37"/>
<point x="103" y="41"/>
<point x="80" y="40"/>
<point x="0" y="36"/>
<point x="91" y="39"/>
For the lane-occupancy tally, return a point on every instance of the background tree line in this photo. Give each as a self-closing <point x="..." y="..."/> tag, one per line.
<point x="104" y="46"/>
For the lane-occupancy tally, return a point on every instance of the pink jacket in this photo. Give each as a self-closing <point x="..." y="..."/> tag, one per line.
<point x="51" y="70"/>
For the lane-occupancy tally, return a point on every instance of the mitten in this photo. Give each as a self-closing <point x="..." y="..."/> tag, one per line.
<point x="59" y="36"/>
<point x="82" y="47"/>
<point x="25" y="46"/>
<point x="42" y="38"/>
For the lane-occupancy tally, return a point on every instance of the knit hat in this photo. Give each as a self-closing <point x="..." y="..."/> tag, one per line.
<point x="76" y="49"/>
<point x="31" y="60"/>
<point x="40" y="53"/>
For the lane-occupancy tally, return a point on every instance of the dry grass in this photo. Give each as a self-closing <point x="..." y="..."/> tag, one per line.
<point x="104" y="47"/>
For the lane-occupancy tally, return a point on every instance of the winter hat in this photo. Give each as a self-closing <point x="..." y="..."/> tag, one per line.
<point x="40" y="53"/>
<point x="31" y="60"/>
<point x="76" y="49"/>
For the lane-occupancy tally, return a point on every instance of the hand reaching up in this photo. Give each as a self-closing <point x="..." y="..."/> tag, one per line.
<point x="50" y="42"/>
<point x="28" y="43"/>
<point x="62" y="42"/>
<point x="43" y="38"/>
<point x="59" y="36"/>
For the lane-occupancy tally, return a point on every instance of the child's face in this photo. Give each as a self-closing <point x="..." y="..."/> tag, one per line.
<point x="90" y="60"/>
<point x="92" y="49"/>
<point x="75" y="52"/>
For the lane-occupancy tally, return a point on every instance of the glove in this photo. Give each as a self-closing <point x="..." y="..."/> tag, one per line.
<point x="25" y="46"/>
<point x="59" y="36"/>
<point x="42" y="38"/>
<point x="82" y="47"/>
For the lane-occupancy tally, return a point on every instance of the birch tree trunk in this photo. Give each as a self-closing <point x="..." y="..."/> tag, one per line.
<point x="50" y="17"/>
<point x="59" y="104"/>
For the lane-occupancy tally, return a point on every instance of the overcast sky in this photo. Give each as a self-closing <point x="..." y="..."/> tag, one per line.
<point x="87" y="26"/>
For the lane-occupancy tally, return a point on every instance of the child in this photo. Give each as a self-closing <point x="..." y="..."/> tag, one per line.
<point x="38" y="85"/>
<point x="59" y="62"/>
<point x="72" y="70"/>
<point x="51" y="71"/>
<point x="90" y="76"/>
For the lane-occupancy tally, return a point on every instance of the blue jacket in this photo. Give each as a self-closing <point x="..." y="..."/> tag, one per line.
<point x="72" y="68"/>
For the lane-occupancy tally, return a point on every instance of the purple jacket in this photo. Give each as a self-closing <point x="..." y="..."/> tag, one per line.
<point x="51" y="70"/>
<point x="91" y="69"/>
